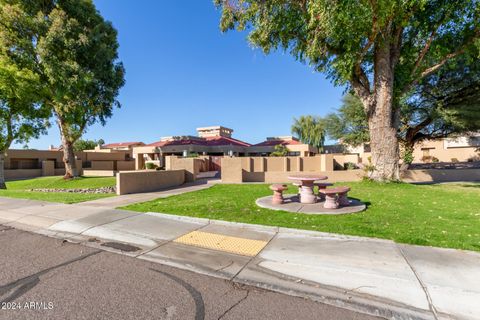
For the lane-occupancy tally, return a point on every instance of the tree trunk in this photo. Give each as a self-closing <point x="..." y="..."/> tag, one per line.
<point x="2" y="172"/>
<point x="381" y="121"/>
<point x="69" y="160"/>
<point x="68" y="153"/>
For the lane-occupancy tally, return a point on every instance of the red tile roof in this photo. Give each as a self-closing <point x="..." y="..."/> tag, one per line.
<point x="209" y="141"/>
<point x="122" y="144"/>
<point x="272" y="143"/>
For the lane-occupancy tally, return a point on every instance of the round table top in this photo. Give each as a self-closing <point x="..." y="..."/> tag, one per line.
<point x="308" y="177"/>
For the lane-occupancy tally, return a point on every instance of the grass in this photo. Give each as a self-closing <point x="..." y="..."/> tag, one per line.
<point x="20" y="189"/>
<point x="442" y="215"/>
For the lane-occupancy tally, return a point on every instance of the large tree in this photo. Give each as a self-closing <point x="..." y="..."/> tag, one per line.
<point x="309" y="130"/>
<point x="380" y="48"/>
<point x="21" y="117"/>
<point x="441" y="105"/>
<point x="74" y="52"/>
<point x="349" y="123"/>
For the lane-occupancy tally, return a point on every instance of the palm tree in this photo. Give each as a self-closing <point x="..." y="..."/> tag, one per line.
<point x="310" y="130"/>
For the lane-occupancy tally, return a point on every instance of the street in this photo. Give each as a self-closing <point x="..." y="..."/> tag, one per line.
<point x="46" y="278"/>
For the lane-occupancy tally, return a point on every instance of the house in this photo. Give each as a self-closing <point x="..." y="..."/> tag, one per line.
<point x="294" y="146"/>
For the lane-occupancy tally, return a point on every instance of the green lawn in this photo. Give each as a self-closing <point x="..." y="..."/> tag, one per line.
<point x="443" y="215"/>
<point x="20" y="189"/>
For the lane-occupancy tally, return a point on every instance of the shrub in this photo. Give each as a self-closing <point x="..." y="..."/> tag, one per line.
<point x="368" y="169"/>
<point x="454" y="160"/>
<point x="150" y="166"/>
<point x="474" y="158"/>
<point x="350" y="166"/>
<point x="427" y="159"/>
<point x="408" y="156"/>
<point x="435" y="160"/>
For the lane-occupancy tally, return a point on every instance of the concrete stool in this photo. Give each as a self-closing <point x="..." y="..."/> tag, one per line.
<point x="322" y="186"/>
<point x="331" y="200"/>
<point x="342" y="198"/>
<point x="278" y="193"/>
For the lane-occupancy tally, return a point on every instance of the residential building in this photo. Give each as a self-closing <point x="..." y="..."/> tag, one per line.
<point x="294" y="146"/>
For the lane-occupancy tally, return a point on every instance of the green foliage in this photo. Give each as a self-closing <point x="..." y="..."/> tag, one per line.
<point x="442" y="215"/>
<point x="280" y="151"/>
<point x="21" y="118"/>
<point x="150" y="165"/>
<point x="71" y="51"/>
<point x="350" y="166"/>
<point x="334" y="37"/>
<point x="382" y="50"/>
<point x="408" y="155"/>
<point x="81" y="144"/>
<point x="310" y="130"/>
<point x="349" y="124"/>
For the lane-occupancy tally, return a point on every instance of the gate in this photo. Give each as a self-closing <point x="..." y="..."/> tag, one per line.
<point x="215" y="163"/>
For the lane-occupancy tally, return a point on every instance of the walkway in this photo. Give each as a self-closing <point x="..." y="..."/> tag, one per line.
<point x="373" y="276"/>
<point x="124" y="200"/>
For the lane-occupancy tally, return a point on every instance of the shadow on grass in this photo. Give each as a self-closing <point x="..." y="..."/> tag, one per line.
<point x="367" y="203"/>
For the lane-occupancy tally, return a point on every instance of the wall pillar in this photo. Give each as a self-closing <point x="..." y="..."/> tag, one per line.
<point x="299" y="164"/>
<point x="285" y="164"/>
<point x="139" y="161"/>
<point x="326" y="162"/>
<point x="48" y="168"/>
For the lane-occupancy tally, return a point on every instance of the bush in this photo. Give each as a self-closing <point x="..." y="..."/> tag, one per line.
<point x="408" y="156"/>
<point x="474" y="158"/>
<point x="150" y="166"/>
<point x="427" y="159"/>
<point x="454" y="160"/>
<point x="350" y="166"/>
<point x="435" y="160"/>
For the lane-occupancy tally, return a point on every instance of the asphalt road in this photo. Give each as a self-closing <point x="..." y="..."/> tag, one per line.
<point x="45" y="278"/>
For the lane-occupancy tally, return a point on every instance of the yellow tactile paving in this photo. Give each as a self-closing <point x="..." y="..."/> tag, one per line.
<point x="220" y="242"/>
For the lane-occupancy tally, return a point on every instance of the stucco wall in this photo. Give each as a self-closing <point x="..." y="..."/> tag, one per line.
<point x="147" y="181"/>
<point x="446" y="175"/>
<point x="258" y="169"/>
<point x="250" y="169"/>
<point x="437" y="149"/>
<point x="98" y="173"/>
<point x="102" y="165"/>
<point x="22" y="174"/>
<point x="192" y="166"/>
<point x="125" y="165"/>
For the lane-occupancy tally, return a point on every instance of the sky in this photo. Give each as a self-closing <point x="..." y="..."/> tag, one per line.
<point x="183" y="73"/>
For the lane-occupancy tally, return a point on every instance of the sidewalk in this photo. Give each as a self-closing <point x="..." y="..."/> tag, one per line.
<point x="374" y="276"/>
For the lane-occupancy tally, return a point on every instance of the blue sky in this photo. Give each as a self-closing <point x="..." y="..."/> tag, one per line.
<point x="183" y="73"/>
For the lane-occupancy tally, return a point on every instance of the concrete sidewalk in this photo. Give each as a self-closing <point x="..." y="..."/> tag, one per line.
<point x="374" y="276"/>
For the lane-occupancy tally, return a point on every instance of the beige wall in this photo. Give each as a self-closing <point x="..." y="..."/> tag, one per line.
<point x="438" y="149"/>
<point x="273" y="169"/>
<point x="106" y="156"/>
<point x="102" y="165"/>
<point x="51" y="162"/>
<point x="270" y="170"/>
<point x="192" y="166"/>
<point x="47" y="169"/>
<point x="147" y="181"/>
<point x="99" y="173"/>
<point x="437" y="175"/>
<point x="22" y="174"/>
<point x="125" y="165"/>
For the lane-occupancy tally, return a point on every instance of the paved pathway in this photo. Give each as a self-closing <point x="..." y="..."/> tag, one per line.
<point x="124" y="200"/>
<point x="374" y="276"/>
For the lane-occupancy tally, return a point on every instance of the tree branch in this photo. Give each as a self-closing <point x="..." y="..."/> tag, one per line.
<point x="434" y="68"/>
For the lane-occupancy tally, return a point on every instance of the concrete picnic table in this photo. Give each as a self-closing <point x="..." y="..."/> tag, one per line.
<point x="307" y="185"/>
